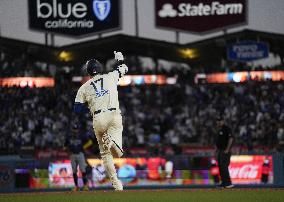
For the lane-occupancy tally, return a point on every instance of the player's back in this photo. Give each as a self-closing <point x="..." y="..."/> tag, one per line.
<point x="100" y="92"/>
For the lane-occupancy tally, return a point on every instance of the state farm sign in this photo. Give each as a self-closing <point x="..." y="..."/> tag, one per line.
<point x="200" y="16"/>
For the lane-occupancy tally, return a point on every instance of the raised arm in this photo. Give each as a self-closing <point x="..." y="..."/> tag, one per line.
<point x="122" y="68"/>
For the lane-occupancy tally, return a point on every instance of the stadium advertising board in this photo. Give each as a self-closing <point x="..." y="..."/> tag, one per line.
<point x="251" y="169"/>
<point x="240" y="77"/>
<point x="247" y="51"/>
<point x="176" y="170"/>
<point x="137" y="80"/>
<point x="6" y="176"/>
<point x="31" y="82"/>
<point x="200" y="16"/>
<point x="74" y="18"/>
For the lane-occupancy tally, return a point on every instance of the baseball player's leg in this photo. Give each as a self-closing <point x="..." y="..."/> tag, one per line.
<point x="226" y="160"/>
<point x="107" y="158"/>
<point x="111" y="171"/>
<point x="219" y="159"/>
<point x="82" y="166"/>
<point x="74" y="170"/>
<point x="115" y="134"/>
<point x="109" y="165"/>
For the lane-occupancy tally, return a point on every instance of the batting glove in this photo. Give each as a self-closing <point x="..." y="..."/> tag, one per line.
<point x="118" y="56"/>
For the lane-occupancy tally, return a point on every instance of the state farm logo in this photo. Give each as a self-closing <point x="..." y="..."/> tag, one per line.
<point x="5" y="175"/>
<point x="214" y="9"/>
<point x="248" y="171"/>
<point x="167" y="11"/>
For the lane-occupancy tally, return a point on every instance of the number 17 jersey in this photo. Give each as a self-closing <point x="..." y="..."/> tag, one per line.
<point x="100" y="92"/>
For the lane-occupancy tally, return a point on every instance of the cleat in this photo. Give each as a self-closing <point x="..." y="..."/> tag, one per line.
<point x="220" y="185"/>
<point x="229" y="186"/>
<point x="118" y="186"/>
<point x="86" y="188"/>
<point x="75" y="188"/>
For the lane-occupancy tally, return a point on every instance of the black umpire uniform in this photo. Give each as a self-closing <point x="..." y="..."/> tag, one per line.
<point x="224" y="143"/>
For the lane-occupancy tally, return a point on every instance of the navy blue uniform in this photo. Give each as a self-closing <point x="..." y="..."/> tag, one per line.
<point x="75" y="144"/>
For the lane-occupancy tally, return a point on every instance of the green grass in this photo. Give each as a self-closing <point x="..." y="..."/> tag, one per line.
<point x="191" y="195"/>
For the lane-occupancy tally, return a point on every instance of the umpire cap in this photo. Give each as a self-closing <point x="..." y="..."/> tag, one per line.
<point x="93" y="67"/>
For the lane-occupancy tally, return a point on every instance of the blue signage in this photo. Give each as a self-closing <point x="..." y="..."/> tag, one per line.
<point x="74" y="18"/>
<point x="101" y="9"/>
<point x="247" y="51"/>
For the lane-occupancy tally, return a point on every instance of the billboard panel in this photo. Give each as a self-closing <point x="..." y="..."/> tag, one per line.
<point x="200" y="16"/>
<point x="251" y="169"/>
<point x="247" y="51"/>
<point x="74" y="18"/>
<point x="240" y="77"/>
<point x="7" y="175"/>
<point x="182" y="170"/>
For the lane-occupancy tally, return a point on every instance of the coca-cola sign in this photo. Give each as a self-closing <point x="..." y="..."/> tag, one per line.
<point x="249" y="169"/>
<point x="200" y="16"/>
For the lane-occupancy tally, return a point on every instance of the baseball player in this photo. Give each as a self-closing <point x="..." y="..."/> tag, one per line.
<point x="100" y="95"/>
<point x="74" y="144"/>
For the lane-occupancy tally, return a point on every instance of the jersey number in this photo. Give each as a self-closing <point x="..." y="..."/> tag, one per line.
<point x="99" y="91"/>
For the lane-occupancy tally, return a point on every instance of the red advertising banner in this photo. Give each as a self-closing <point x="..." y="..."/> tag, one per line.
<point x="31" y="82"/>
<point x="250" y="169"/>
<point x="51" y="154"/>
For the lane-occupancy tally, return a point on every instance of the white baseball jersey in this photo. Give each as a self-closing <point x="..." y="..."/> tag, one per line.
<point x="100" y="92"/>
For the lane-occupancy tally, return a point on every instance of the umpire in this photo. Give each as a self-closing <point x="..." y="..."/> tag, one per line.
<point x="224" y="142"/>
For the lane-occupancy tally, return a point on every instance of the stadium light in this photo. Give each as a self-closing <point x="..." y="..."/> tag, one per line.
<point x="188" y="53"/>
<point x="65" y="56"/>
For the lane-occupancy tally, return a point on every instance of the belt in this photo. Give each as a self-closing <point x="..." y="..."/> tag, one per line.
<point x="99" y="111"/>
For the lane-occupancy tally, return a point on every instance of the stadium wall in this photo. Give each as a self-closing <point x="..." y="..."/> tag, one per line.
<point x="18" y="175"/>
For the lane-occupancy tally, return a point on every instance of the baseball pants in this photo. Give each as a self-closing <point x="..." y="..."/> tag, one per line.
<point x="78" y="159"/>
<point x="223" y="163"/>
<point x="110" y="123"/>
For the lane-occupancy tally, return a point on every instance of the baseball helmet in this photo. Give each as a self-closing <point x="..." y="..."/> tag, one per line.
<point x="93" y="67"/>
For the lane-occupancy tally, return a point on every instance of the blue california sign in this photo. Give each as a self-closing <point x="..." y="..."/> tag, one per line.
<point x="74" y="18"/>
